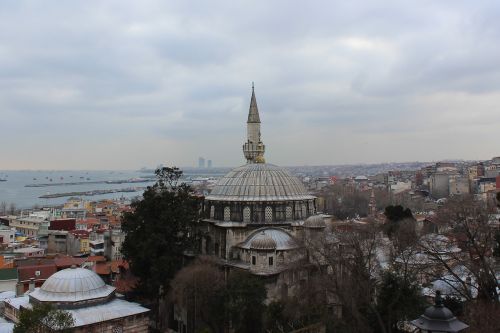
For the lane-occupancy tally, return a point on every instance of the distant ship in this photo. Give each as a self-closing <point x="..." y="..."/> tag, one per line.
<point x="3" y="180"/>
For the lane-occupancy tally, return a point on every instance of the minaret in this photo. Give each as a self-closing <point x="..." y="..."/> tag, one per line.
<point x="253" y="149"/>
<point x="372" y="206"/>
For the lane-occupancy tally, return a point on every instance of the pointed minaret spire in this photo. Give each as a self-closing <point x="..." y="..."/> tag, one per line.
<point x="253" y="113"/>
<point x="253" y="149"/>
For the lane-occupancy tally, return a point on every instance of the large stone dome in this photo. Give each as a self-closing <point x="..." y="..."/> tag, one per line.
<point x="259" y="182"/>
<point x="73" y="285"/>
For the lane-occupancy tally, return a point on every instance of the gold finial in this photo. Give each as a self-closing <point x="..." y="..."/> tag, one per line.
<point x="260" y="159"/>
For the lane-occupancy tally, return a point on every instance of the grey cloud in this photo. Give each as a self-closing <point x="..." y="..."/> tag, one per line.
<point x="180" y="72"/>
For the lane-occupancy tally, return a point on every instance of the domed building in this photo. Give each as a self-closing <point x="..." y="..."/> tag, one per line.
<point x="256" y="216"/>
<point x="92" y="303"/>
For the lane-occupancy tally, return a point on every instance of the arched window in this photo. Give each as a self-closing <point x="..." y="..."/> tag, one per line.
<point x="289" y="213"/>
<point x="246" y="214"/>
<point x="212" y="211"/>
<point x="227" y="213"/>
<point x="269" y="214"/>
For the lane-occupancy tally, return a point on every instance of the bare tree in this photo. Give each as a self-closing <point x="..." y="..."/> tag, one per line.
<point x="196" y="289"/>
<point x="466" y="253"/>
<point x="351" y="276"/>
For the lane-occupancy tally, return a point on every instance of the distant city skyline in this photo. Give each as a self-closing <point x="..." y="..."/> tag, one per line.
<point x="122" y="85"/>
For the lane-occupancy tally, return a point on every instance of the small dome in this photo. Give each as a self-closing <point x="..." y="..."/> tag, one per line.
<point x="73" y="285"/>
<point x="263" y="242"/>
<point x="438" y="313"/>
<point x="315" y="221"/>
<point x="281" y="239"/>
<point x="438" y="318"/>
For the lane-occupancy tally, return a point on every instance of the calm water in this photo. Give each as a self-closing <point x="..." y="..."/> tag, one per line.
<point x="14" y="190"/>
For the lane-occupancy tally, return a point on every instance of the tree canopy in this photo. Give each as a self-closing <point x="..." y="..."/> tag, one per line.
<point x="159" y="231"/>
<point x="44" y="318"/>
<point x="399" y="299"/>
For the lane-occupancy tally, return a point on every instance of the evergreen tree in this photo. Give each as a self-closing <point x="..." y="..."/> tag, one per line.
<point x="159" y="231"/>
<point x="398" y="300"/>
<point x="245" y="296"/>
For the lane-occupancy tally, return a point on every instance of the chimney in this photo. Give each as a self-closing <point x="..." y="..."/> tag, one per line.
<point x="32" y="284"/>
<point x="19" y="289"/>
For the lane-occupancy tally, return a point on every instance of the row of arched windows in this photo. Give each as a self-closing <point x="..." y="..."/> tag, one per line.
<point x="259" y="212"/>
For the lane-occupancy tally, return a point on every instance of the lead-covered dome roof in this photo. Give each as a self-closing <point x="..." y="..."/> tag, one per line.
<point x="315" y="221"/>
<point x="73" y="285"/>
<point x="263" y="242"/>
<point x="259" y="182"/>
<point x="270" y="238"/>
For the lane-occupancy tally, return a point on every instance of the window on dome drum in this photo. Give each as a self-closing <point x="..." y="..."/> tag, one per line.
<point x="253" y="260"/>
<point x="227" y="213"/>
<point x="271" y="261"/>
<point x="236" y="213"/>
<point x="258" y="213"/>
<point x="280" y="213"/>
<point x="289" y="213"/>
<point x="269" y="214"/>
<point x="246" y="214"/>
<point x="212" y="212"/>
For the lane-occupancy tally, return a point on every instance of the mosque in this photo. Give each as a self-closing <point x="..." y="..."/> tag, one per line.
<point x="258" y="217"/>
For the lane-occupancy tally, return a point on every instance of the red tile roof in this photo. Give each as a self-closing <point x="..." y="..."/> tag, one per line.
<point x="28" y="272"/>
<point x="102" y="268"/>
<point x="80" y="233"/>
<point x="96" y="259"/>
<point x="117" y="264"/>
<point x="66" y="262"/>
<point x="127" y="284"/>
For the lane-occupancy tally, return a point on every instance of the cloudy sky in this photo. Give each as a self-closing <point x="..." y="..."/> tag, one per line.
<point x="125" y="84"/>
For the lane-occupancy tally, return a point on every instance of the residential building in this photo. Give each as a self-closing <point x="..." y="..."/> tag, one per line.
<point x="439" y="185"/>
<point x="7" y="234"/>
<point x="57" y="242"/>
<point x="78" y="242"/>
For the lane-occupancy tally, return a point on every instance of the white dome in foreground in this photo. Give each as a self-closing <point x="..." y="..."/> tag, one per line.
<point x="73" y="285"/>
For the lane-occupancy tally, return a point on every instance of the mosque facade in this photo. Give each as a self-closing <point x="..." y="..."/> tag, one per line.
<point x="259" y="216"/>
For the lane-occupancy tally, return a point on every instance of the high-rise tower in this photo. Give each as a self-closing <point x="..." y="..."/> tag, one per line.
<point x="253" y="149"/>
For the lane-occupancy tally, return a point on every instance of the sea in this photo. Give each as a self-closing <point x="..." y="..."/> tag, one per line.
<point x="15" y="190"/>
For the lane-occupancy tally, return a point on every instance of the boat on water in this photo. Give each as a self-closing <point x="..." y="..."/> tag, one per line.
<point x="3" y="180"/>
